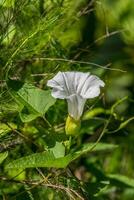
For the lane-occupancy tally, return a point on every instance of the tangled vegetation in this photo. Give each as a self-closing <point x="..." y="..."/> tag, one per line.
<point x="38" y="160"/>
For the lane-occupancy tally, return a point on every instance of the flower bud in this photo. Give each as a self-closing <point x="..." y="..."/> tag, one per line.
<point x="72" y="126"/>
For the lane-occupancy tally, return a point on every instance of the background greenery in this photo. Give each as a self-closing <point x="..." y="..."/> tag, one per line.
<point x="38" y="39"/>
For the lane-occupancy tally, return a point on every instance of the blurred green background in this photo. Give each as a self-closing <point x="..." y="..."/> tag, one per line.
<point x="38" y="38"/>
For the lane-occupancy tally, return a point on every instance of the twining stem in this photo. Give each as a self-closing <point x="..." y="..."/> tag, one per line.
<point x="107" y="122"/>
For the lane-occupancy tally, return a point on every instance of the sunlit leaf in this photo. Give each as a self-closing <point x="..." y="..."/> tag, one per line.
<point x="34" y="100"/>
<point x="9" y="35"/>
<point x="3" y="156"/>
<point x="52" y="159"/>
<point x="7" y="3"/>
<point x="4" y="128"/>
<point x="58" y="150"/>
<point x="94" y="112"/>
<point x="26" y="115"/>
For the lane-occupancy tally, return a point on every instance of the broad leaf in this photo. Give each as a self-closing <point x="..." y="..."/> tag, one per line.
<point x="58" y="150"/>
<point x="48" y="159"/>
<point x="26" y="115"/>
<point x="34" y="100"/>
<point x="44" y="159"/>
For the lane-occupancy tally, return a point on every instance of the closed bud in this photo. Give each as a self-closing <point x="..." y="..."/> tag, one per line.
<point x="72" y="126"/>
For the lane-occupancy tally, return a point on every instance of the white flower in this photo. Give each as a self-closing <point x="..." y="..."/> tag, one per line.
<point x="76" y="88"/>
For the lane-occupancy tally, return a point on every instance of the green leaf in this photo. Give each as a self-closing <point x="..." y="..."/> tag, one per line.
<point x="26" y="115"/>
<point x="94" y="112"/>
<point x="44" y="159"/>
<point x="34" y="100"/>
<point x="93" y="147"/>
<point x="58" y="150"/>
<point x="5" y="129"/>
<point x="9" y="35"/>
<point x="104" y="188"/>
<point x="7" y="3"/>
<point x="122" y="179"/>
<point x="3" y="156"/>
<point x="52" y="158"/>
<point x="125" y="123"/>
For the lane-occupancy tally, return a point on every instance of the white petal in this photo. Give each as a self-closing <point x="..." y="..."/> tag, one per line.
<point x="91" y="87"/>
<point x="56" y="82"/>
<point x="76" y="87"/>
<point x="75" y="106"/>
<point x="68" y="81"/>
<point x="75" y="81"/>
<point x="59" y="94"/>
<point x="60" y="86"/>
<point x="81" y="79"/>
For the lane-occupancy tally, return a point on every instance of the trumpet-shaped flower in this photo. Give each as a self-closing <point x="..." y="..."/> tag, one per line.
<point x="76" y="88"/>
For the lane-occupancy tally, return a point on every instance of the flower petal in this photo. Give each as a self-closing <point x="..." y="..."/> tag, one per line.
<point x="59" y="85"/>
<point x="91" y="87"/>
<point x="59" y="94"/>
<point x="80" y="78"/>
<point x="75" y="106"/>
<point x="76" y="87"/>
<point x="74" y="81"/>
<point x="69" y="79"/>
<point x="56" y="81"/>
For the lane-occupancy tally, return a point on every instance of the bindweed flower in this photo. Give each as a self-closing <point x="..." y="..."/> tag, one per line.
<point x="76" y="88"/>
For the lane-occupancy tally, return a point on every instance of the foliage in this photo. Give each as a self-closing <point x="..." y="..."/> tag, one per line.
<point x="37" y="159"/>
